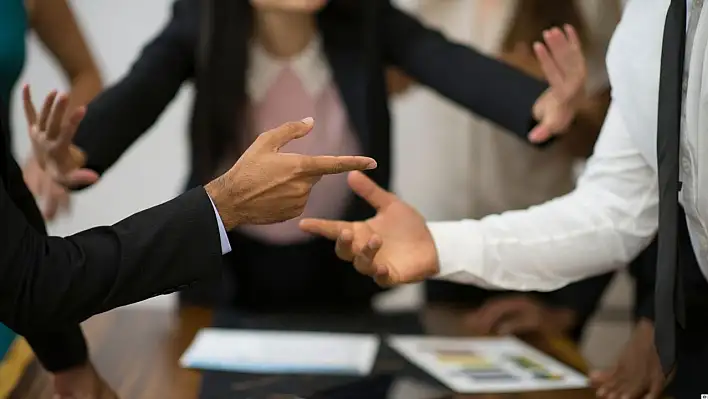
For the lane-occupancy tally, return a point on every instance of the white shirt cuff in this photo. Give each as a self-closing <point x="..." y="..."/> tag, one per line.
<point x="225" y="244"/>
<point x="460" y="245"/>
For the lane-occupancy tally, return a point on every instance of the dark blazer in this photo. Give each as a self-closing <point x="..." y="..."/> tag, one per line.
<point x="206" y="42"/>
<point x="48" y="282"/>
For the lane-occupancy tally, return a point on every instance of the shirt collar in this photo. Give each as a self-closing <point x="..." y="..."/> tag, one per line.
<point x="310" y="66"/>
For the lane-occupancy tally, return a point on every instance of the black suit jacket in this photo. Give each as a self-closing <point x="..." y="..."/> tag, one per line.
<point x="48" y="283"/>
<point x="206" y="42"/>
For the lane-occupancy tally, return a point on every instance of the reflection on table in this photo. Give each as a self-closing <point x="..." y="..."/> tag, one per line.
<point x="138" y="350"/>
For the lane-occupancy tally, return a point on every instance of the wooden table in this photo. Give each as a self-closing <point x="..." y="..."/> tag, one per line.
<point x="137" y="351"/>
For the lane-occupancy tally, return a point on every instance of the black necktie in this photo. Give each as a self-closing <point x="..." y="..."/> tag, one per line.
<point x="668" y="138"/>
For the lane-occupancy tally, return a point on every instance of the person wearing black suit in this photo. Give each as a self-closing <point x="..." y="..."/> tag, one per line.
<point x="53" y="284"/>
<point x="208" y="43"/>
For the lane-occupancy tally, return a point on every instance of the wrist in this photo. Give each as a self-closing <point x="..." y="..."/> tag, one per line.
<point x="219" y="194"/>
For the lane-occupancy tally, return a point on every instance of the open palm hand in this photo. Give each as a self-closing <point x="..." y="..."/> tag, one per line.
<point x="51" y="132"/>
<point x="394" y="247"/>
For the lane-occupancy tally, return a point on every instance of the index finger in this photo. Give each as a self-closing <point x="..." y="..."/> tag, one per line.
<point x="30" y="110"/>
<point x="332" y="165"/>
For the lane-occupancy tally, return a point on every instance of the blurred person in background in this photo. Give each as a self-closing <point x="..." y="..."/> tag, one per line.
<point x="258" y="63"/>
<point x="474" y="175"/>
<point x="63" y="352"/>
<point x="501" y="172"/>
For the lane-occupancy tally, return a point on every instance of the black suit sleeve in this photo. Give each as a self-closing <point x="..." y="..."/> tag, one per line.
<point x="116" y="118"/>
<point x="483" y="85"/>
<point x="46" y="282"/>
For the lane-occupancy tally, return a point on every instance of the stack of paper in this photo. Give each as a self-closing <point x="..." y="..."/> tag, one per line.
<point x="271" y="352"/>
<point x="487" y="365"/>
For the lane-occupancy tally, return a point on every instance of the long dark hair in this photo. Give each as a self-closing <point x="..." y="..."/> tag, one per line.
<point x="221" y="104"/>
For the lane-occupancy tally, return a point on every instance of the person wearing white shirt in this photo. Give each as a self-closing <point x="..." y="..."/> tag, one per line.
<point x="612" y="214"/>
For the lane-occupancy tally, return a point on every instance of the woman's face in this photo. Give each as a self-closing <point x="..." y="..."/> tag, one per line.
<point x="307" y="6"/>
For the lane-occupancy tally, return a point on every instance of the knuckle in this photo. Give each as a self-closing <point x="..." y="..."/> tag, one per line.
<point x="303" y="165"/>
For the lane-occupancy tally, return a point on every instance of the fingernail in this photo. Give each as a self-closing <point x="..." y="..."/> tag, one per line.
<point x="308" y="120"/>
<point x="371" y="165"/>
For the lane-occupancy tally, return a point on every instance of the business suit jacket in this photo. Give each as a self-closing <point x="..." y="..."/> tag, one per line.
<point x="48" y="282"/>
<point x="206" y="42"/>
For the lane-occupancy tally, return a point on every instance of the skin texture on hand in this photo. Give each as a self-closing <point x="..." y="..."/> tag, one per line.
<point x="266" y="186"/>
<point x="394" y="247"/>
<point x="563" y="64"/>
<point x="637" y="373"/>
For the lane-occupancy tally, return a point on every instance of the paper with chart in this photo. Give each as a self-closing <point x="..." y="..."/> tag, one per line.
<point x="487" y="365"/>
<point x="281" y="352"/>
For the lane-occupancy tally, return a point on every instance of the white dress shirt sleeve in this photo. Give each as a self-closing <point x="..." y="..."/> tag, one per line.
<point x="602" y="225"/>
<point x="225" y="244"/>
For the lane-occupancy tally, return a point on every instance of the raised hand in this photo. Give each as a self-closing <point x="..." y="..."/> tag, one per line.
<point x="563" y="63"/>
<point x="266" y="186"/>
<point x="394" y="247"/>
<point x="53" y="198"/>
<point x="51" y="133"/>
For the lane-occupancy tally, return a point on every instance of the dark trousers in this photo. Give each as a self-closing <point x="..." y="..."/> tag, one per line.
<point x="691" y="379"/>
<point x="263" y="277"/>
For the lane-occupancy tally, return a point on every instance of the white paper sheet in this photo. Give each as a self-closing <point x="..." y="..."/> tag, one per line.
<point x="487" y="365"/>
<point x="273" y="352"/>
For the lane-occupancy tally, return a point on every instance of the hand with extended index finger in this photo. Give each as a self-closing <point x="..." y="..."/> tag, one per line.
<point x="266" y="186"/>
<point x="51" y="133"/>
<point x="563" y="63"/>
<point x="394" y="247"/>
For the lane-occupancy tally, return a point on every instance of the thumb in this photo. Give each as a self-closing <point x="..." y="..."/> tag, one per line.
<point x="80" y="178"/>
<point x="276" y="138"/>
<point x="364" y="187"/>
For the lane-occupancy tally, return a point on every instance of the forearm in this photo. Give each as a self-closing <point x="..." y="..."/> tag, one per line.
<point x="609" y="218"/>
<point x="64" y="281"/>
<point x="119" y="115"/>
<point x="483" y="85"/>
<point x="542" y="249"/>
<point x="84" y="87"/>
